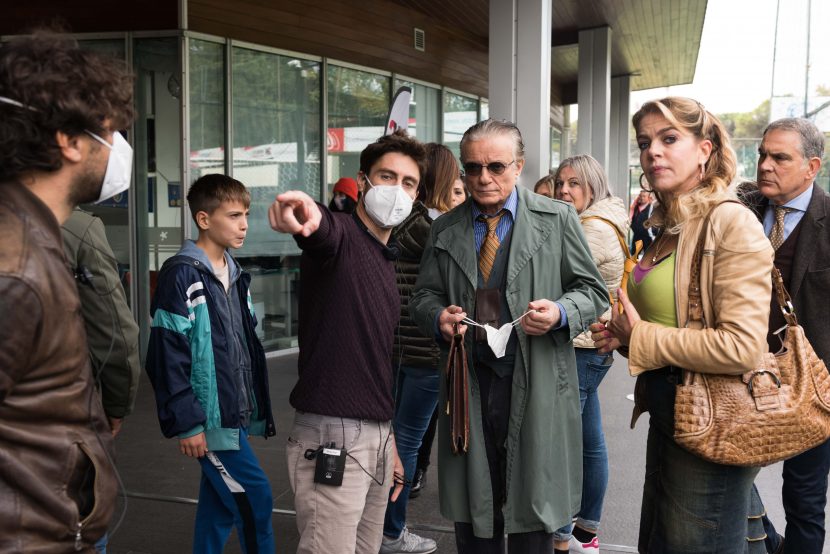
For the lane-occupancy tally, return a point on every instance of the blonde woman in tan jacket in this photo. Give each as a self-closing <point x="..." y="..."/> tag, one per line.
<point x="689" y="504"/>
<point x="581" y="181"/>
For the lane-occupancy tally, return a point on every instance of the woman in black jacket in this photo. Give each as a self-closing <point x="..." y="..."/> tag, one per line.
<point x="415" y="356"/>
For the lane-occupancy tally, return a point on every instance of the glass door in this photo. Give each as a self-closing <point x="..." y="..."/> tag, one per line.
<point x="158" y="166"/>
<point x="114" y="212"/>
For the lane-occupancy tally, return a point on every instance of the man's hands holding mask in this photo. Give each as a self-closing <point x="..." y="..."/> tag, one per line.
<point x="541" y="316"/>
<point x="447" y="318"/>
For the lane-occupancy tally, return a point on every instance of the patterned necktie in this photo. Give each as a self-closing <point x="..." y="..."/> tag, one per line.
<point x="487" y="253"/>
<point x="776" y="235"/>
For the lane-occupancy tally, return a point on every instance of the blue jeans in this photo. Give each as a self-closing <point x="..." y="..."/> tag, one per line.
<point x="234" y="491"/>
<point x="804" y="495"/>
<point x="416" y="396"/>
<point x="689" y="505"/>
<point x="591" y="368"/>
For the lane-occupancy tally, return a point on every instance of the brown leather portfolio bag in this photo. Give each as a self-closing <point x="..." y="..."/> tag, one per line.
<point x="457" y="386"/>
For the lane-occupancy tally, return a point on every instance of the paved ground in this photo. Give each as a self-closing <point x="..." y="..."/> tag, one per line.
<point x="162" y="484"/>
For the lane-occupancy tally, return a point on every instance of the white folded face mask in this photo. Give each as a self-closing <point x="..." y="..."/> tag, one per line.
<point x="497" y="339"/>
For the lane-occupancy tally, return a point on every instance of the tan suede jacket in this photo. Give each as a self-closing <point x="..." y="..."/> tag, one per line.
<point x="735" y="288"/>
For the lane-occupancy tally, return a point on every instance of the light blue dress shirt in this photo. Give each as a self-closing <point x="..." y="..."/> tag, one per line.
<point x="505" y="223"/>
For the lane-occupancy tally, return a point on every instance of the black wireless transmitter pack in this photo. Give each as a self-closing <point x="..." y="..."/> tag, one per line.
<point x="331" y="463"/>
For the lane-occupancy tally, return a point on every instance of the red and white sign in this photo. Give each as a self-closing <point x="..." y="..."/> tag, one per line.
<point x="334" y="140"/>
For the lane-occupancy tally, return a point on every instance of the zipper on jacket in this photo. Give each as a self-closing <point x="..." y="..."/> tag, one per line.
<point x="78" y="538"/>
<point x="232" y="286"/>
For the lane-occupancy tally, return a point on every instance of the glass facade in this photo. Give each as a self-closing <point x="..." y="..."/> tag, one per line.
<point x="460" y="113"/>
<point x="207" y="108"/>
<point x="255" y="114"/>
<point x="275" y="107"/>
<point x="114" y="213"/>
<point x="424" y="110"/>
<point x="555" y="148"/>
<point x="358" y="102"/>
<point x="157" y="143"/>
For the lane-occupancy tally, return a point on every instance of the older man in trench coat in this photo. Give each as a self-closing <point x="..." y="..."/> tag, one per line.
<point x="522" y="473"/>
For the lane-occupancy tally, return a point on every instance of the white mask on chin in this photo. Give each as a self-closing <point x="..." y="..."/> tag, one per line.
<point x="387" y="205"/>
<point x="119" y="166"/>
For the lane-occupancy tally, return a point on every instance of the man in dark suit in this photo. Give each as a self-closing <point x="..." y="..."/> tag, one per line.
<point x="794" y="212"/>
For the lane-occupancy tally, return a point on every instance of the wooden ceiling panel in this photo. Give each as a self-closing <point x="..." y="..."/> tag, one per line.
<point x="472" y="16"/>
<point x="656" y="41"/>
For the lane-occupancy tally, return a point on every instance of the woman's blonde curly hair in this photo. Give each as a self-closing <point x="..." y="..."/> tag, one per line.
<point x="719" y="170"/>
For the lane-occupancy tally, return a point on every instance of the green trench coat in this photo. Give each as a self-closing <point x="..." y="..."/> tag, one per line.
<point x="549" y="258"/>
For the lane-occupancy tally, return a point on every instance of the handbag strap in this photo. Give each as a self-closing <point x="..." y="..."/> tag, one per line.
<point x="695" y="301"/>
<point x="630" y="258"/>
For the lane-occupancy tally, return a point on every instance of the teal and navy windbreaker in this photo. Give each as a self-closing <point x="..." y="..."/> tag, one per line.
<point x="196" y="348"/>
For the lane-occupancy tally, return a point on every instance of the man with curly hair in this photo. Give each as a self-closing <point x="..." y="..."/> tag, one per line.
<point x="60" y="111"/>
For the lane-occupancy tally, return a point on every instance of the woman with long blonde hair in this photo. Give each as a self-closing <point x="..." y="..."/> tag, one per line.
<point x="690" y="504"/>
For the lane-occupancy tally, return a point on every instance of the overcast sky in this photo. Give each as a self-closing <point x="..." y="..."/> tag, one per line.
<point x="734" y="67"/>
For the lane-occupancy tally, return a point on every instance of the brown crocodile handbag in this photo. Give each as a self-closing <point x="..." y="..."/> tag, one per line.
<point x="779" y="409"/>
<point x="457" y="385"/>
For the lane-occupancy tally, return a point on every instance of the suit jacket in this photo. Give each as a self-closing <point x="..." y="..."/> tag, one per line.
<point x="810" y="278"/>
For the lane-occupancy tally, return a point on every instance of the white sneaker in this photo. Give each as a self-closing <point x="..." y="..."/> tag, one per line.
<point x="408" y="543"/>
<point x="584" y="547"/>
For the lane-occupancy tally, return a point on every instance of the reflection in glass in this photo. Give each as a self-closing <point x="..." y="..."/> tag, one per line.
<point x="460" y="113"/>
<point x="358" y="102"/>
<point x="114" y="211"/>
<point x="555" y="147"/>
<point x="207" y="108"/>
<point x="276" y="147"/>
<point x="158" y="165"/>
<point x="424" y="111"/>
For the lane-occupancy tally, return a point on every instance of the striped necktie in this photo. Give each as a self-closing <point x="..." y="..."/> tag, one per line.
<point x="490" y="245"/>
<point x="776" y="235"/>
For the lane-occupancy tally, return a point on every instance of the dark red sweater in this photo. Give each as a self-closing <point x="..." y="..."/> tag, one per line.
<point x="349" y="308"/>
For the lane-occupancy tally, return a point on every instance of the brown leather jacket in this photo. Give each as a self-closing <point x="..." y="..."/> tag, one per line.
<point x="57" y="484"/>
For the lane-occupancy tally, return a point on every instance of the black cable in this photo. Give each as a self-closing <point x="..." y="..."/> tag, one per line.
<point x="100" y="251"/>
<point x="403" y="481"/>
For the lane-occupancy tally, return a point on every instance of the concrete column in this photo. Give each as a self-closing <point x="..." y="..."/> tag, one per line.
<point x="594" y="93"/>
<point x="502" y="59"/>
<point x="620" y="147"/>
<point x="520" y="76"/>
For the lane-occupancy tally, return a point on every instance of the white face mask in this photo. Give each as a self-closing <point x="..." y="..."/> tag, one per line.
<point x="387" y="205"/>
<point x="119" y="166"/>
<point x="497" y="339"/>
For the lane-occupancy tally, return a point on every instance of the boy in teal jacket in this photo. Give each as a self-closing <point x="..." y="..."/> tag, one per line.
<point x="208" y="370"/>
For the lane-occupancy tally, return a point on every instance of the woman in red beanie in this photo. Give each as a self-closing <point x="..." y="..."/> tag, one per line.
<point x="344" y="196"/>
